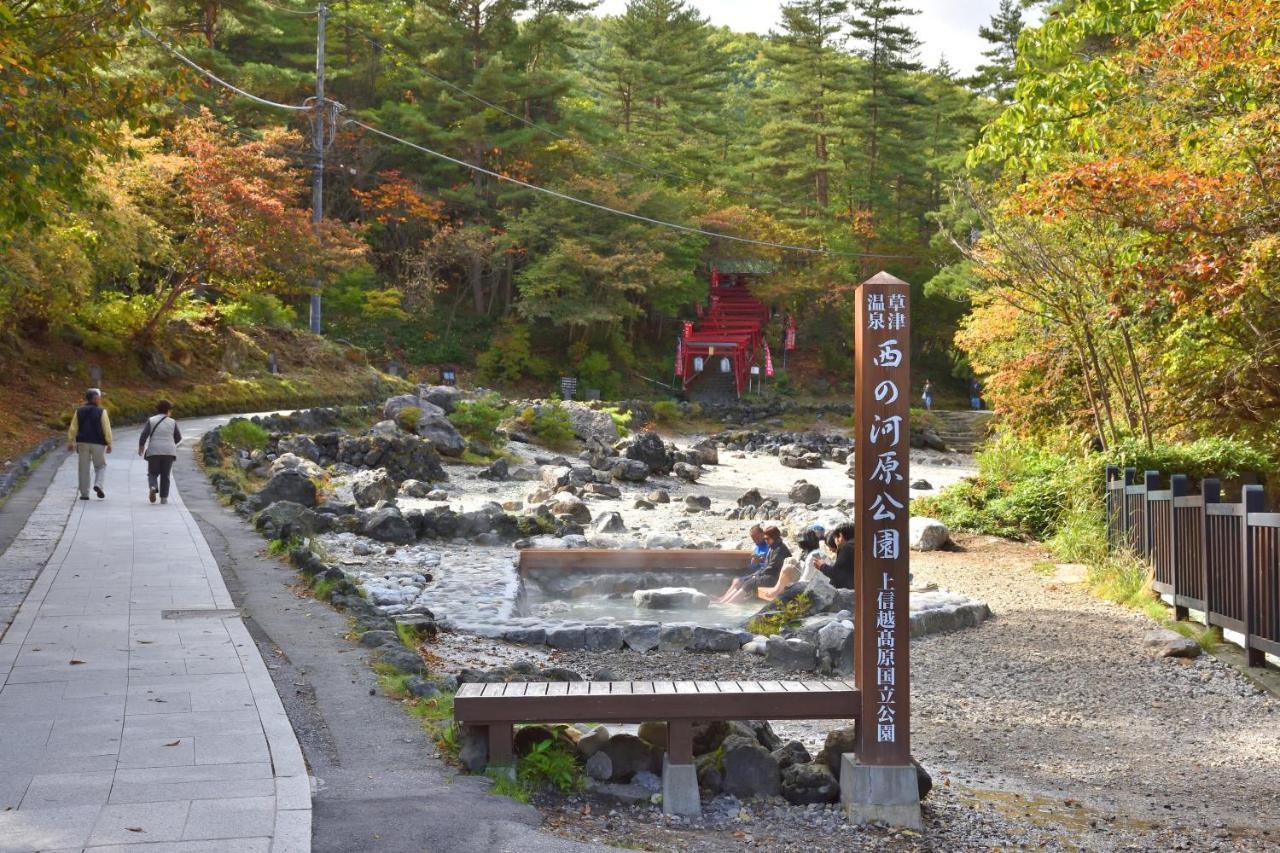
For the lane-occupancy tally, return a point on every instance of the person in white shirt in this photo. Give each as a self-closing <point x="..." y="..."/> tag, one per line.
<point x="159" y="446"/>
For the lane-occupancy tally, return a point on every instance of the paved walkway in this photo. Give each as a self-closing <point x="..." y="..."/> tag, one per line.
<point x="135" y="710"/>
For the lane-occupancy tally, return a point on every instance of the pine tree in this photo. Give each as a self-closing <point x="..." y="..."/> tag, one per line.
<point x="997" y="76"/>
<point x="809" y="78"/>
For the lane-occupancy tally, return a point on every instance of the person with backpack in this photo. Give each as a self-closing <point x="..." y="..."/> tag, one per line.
<point x="90" y="435"/>
<point x="159" y="446"/>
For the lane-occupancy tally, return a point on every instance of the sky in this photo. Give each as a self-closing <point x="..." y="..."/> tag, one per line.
<point x="946" y="27"/>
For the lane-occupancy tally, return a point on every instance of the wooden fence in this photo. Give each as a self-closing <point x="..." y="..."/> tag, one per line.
<point x="1222" y="559"/>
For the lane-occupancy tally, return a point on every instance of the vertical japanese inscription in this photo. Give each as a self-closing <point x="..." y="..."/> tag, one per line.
<point x="882" y="338"/>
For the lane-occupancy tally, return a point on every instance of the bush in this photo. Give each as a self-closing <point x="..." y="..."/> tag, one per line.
<point x="595" y="371"/>
<point x="549" y="424"/>
<point x="479" y="419"/>
<point x="258" y="309"/>
<point x="407" y="418"/>
<point x="244" y="434"/>
<point x="510" y="358"/>
<point x="553" y="764"/>
<point x="667" y="412"/>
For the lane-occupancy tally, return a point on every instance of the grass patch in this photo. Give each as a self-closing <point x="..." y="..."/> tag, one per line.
<point x="505" y="786"/>
<point x="1207" y="638"/>
<point x="244" y="434"/>
<point x="1044" y="567"/>
<point x="322" y="589"/>
<point x="282" y="547"/>
<point x="1124" y="579"/>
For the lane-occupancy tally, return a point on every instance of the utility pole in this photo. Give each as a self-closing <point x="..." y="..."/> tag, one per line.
<point x="317" y="141"/>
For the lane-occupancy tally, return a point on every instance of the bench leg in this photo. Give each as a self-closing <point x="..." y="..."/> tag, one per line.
<point x="501" y="751"/>
<point x="679" y="775"/>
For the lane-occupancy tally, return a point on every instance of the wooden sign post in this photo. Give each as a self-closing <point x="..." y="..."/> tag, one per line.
<point x="878" y="783"/>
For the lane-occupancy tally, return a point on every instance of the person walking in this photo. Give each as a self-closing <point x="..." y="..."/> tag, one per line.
<point x="158" y="444"/>
<point x="927" y="396"/>
<point x="90" y="435"/>
<point x="975" y="394"/>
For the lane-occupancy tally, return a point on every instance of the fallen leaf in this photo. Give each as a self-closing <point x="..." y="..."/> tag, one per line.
<point x="174" y="743"/>
<point x="76" y="661"/>
<point x="135" y="829"/>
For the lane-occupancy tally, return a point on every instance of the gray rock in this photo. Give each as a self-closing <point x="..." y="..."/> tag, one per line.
<point x="838" y="743"/>
<point x="496" y="471"/>
<point x="369" y="487"/>
<point x="641" y="503"/>
<point x="928" y="534"/>
<point x="303" y="446"/>
<point x="806" y="784"/>
<point x="750" y="770"/>
<point x="791" y="752"/>
<point x="671" y="598"/>
<point x="605" y="674"/>
<point x="1170" y="644"/>
<point x="630" y="755"/>
<point x="751" y="497"/>
<point x="402" y="659"/>
<point x="648" y="447"/>
<point x="560" y="673"/>
<point x="665" y="540"/>
<point x="653" y="733"/>
<point x="599" y="766"/>
<point x="922" y="485"/>
<point x="675" y="636"/>
<point x="641" y="637"/>
<point x="441" y="434"/>
<point x="525" y="636"/>
<point x="791" y="654"/>
<point x="572" y="638"/>
<point x="716" y="640"/>
<point x="630" y="471"/>
<point x="835" y="647"/>
<point x="688" y="472"/>
<point x="589" y="423"/>
<point x="604" y="490"/>
<point x="802" y="460"/>
<point x="650" y="782"/>
<point x="804" y="492"/>
<point x="566" y="504"/>
<point x="288" y="520"/>
<point x="631" y="794"/>
<point x="697" y="502"/>
<point x="591" y="743"/>
<point x="708" y="451"/>
<point x="609" y="522"/>
<point x="286" y="486"/>
<point x="387" y="525"/>
<point x="419" y="688"/>
<point x="443" y="396"/>
<point x="473" y="754"/>
<point x="415" y="489"/>
<point x="437" y="495"/>
<point x="373" y="639"/>
<point x="659" y="496"/>
<point x="603" y="638"/>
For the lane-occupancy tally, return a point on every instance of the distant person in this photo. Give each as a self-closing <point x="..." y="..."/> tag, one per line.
<point x="768" y="573"/>
<point x="927" y="396"/>
<point x="975" y="394"/>
<point x="840" y="573"/>
<point x="90" y="435"/>
<point x="158" y="444"/>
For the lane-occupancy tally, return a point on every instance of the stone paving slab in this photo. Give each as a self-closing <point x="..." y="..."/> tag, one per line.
<point x="136" y="712"/>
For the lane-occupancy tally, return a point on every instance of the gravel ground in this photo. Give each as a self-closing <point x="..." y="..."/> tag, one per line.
<point x="1049" y="726"/>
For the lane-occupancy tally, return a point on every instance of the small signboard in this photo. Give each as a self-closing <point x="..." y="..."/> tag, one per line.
<point x="448" y="376"/>
<point x="568" y="387"/>
<point x="755" y="370"/>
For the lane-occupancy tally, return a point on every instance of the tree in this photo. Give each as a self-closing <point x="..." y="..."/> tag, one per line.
<point x="997" y="76"/>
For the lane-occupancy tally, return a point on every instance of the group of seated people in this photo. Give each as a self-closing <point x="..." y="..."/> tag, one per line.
<point x="772" y="568"/>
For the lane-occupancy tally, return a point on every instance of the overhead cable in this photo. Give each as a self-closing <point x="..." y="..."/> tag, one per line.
<point x="628" y="214"/>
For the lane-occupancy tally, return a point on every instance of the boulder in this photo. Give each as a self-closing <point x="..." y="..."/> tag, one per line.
<point x="835" y="647"/>
<point x="804" y="492"/>
<point x="293" y="462"/>
<point x="401" y="659"/>
<point x="641" y="503"/>
<point x="838" y="743"/>
<point x="671" y="598"/>
<point x="599" y="766"/>
<point x="588" y="423"/>
<point x="751" y="497"/>
<point x="630" y="755"/>
<point x="603" y="638"/>
<point x="288" y="520"/>
<point x="388" y="525"/>
<point x="302" y="446"/>
<point x="444" y="396"/>
<point x="687" y="472"/>
<point x="609" y="522"/>
<point x="675" y="636"/>
<point x="750" y="770"/>
<point x="697" y="502"/>
<point x="709" y="776"/>
<point x="807" y="784"/>
<point x="924" y="782"/>
<point x="630" y="471"/>
<point x="659" y="496"/>
<point x="928" y="534"/>
<point x="791" y="654"/>
<point x="708" y="736"/>
<point x="922" y="485"/>
<point x="414" y="489"/>
<point x="791" y="752"/>
<point x="473" y="753"/>
<point x="665" y="540"/>
<point x="286" y="486"/>
<point x="394" y="405"/>
<point x="758" y="729"/>
<point x="441" y="434"/>
<point x="708" y="451"/>
<point x="641" y="636"/>
<point x="497" y="471"/>
<point x="707" y="639"/>
<point x="560" y="673"/>
<point x="568" y="638"/>
<point x="566" y="504"/>
<point x="648" y="447"/>
<point x="654" y="733"/>
<point x="800" y="460"/>
<point x="369" y="487"/>
<point x="591" y="742"/>
<point x="604" y="490"/>
<point x="1170" y="644"/>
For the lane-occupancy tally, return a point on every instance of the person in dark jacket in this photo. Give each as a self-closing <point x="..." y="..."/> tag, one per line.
<point x="159" y="446"/>
<point x="767" y="574"/>
<point x="840" y="573"/>
<point x="90" y="435"/>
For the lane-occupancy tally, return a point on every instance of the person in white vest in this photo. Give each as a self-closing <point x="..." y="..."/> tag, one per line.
<point x="159" y="445"/>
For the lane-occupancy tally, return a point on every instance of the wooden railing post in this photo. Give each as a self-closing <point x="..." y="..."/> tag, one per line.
<point x="1130" y="479"/>
<point x="1251" y="498"/>
<point x="1150" y="483"/>
<point x="1112" y="474"/>
<point x="1212" y="491"/>
<point x="1179" y="487"/>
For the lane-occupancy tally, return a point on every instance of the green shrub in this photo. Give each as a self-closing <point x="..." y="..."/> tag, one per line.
<point x="550" y="763"/>
<point x="510" y="357"/>
<point x="407" y="418"/>
<point x="258" y="309"/>
<point x="667" y="412"/>
<point x="479" y="419"/>
<point x="244" y="434"/>
<point x="549" y="424"/>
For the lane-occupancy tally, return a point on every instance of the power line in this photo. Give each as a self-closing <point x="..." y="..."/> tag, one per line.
<point x="628" y="214"/>
<point x="181" y="57"/>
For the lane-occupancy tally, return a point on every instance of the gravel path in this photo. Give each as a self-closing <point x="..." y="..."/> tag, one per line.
<point x="1047" y="727"/>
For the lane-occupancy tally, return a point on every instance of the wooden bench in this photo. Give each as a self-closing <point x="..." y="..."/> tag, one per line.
<point x="498" y="707"/>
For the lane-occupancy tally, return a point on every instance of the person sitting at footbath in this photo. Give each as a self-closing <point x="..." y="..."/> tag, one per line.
<point x="766" y="575"/>
<point x="809" y="564"/>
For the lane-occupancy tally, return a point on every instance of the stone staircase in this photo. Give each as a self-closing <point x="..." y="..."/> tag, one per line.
<point x="712" y="386"/>
<point x="963" y="431"/>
